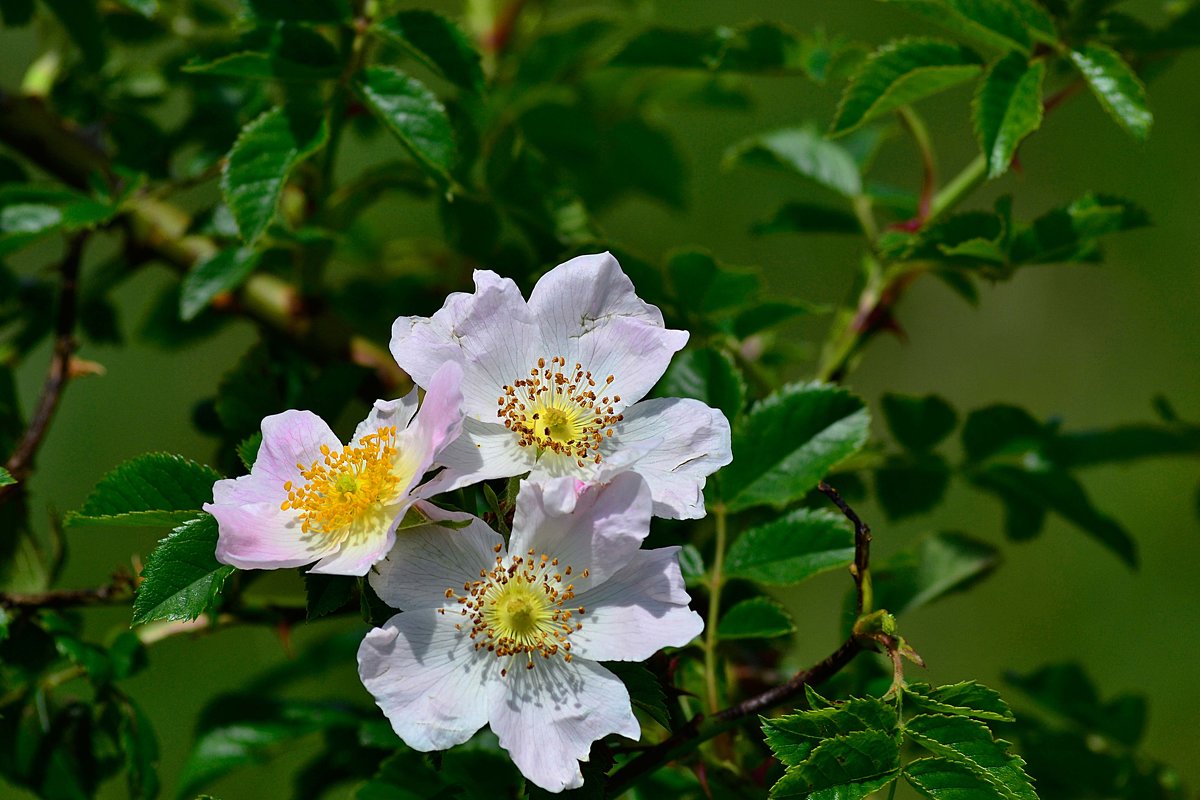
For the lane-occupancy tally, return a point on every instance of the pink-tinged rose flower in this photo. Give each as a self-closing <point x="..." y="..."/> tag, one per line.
<point x="311" y="498"/>
<point x="511" y="637"/>
<point x="553" y="386"/>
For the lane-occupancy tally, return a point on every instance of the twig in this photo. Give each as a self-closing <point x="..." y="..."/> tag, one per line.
<point x="701" y="729"/>
<point x="916" y="128"/>
<point x="116" y="592"/>
<point x="20" y="463"/>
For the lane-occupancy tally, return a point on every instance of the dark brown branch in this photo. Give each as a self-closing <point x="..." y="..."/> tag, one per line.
<point x="700" y="729"/>
<point x="118" y="592"/>
<point x="20" y="463"/>
<point x="861" y="569"/>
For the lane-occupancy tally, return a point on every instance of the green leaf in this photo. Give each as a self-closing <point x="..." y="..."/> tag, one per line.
<point x="943" y="779"/>
<point x="29" y="213"/>
<point x="182" y="578"/>
<point x="149" y="490"/>
<point x="971" y="744"/>
<point x="247" y="450"/>
<point x="1000" y="430"/>
<point x="704" y="286"/>
<point x="791" y="549"/>
<point x="140" y="747"/>
<point x="16" y="13"/>
<point x="405" y="776"/>
<point x="327" y="593"/>
<point x="789" y="441"/>
<point x="762" y="316"/>
<point x="1003" y="24"/>
<point x="223" y="272"/>
<point x="236" y="731"/>
<point x="1051" y="488"/>
<point x="900" y="73"/>
<point x="918" y="423"/>
<point x="1116" y="86"/>
<point x="808" y="218"/>
<point x="85" y="26"/>
<point x="299" y="10"/>
<point x="286" y="52"/>
<point x="756" y="618"/>
<point x="645" y="690"/>
<point x="966" y="699"/>
<point x="911" y="485"/>
<point x="707" y="375"/>
<point x="147" y="8"/>
<point x="1068" y="234"/>
<point x="938" y="566"/>
<point x="847" y="767"/>
<point x="262" y="158"/>
<point x="413" y="114"/>
<point x="1067" y="690"/>
<point x="804" y="152"/>
<point x="1122" y="444"/>
<point x="437" y="43"/>
<point x="792" y="737"/>
<point x="1007" y="108"/>
<point x="6" y="478"/>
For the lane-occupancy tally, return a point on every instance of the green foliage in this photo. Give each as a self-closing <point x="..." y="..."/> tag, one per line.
<point x="283" y="52"/>
<point x="262" y="159"/>
<point x="756" y="618"/>
<point x="413" y="114"/>
<point x="708" y="375"/>
<point x="788" y="441"/>
<point x="182" y="578"/>
<point x="901" y="73"/>
<point x="805" y="152"/>
<point x="224" y="272"/>
<point x="151" y="490"/>
<point x="1116" y="86"/>
<point x="791" y="549"/>
<point x="969" y="699"/>
<point x="1002" y="24"/>
<point x="1007" y="108"/>
<point x="938" y="565"/>
<point x="645" y="690"/>
<point x="438" y="43"/>
<point x="919" y="423"/>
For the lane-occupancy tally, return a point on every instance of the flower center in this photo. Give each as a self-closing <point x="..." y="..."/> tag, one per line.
<point x="343" y="486"/>
<point x="557" y="410"/>
<point x="520" y="607"/>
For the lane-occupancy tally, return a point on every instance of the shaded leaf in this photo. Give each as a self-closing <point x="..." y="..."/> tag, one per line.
<point x="938" y="566"/>
<point x="760" y="317"/>
<point x="804" y="152"/>
<point x="262" y="159"/>
<point x="1000" y="429"/>
<point x="223" y="272"/>
<point x="756" y="618"/>
<point x="1007" y="108"/>
<point x="1053" y="489"/>
<point x="707" y="375"/>
<point x="1122" y="443"/>
<point x="1004" y="24"/>
<point x="327" y="593"/>
<point x="152" y="489"/>
<point x="918" y="423"/>
<point x="29" y="213"/>
<point x="911" y="485"/>
<point x="900" y="73"/>
<point x="943" y="779"/>
<point x="789" y="441"/>
<point x="1067" y="690"/>
<point x="705" y="286"/>
<point x="967" y="699"/>
<point x="808" y="218"/>
<point x="286" y="52"/>
<point x="645" y="691"/>
<point x="1116" y="86"/>
<point x="298" y="10"/>
<point x="437" y="42"/>
<point x="182" y="578"/>
<point x="791" y="549"/>
<point x="247" y="449"/>
<point x="1068" y="234"/>
<point x="413" y="114"/>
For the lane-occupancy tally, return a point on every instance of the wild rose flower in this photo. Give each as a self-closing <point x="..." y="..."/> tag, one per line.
<point x="310" y="498"/>
<point x="510" y="637"/>
<point x="552" y="386"/>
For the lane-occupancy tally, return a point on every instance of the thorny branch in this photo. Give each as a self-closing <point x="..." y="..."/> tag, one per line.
<point x="700" y="728"/>
<point x="20" y="463"/>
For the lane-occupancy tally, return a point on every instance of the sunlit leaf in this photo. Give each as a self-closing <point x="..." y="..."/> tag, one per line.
<point x="413" y="114"/>
<point x="1007" y="108"/>
<point x="182" y="577"/>
<point x="756" y="618"/>
<point x="1116" y="86"/>
<point x="791" y="549"/>
<point x="152" y="489"/>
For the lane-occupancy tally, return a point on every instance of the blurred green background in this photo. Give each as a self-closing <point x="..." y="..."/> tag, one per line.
<point x="1091" y="345"/>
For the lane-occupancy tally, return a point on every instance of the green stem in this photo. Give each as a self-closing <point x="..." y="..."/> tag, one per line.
<point x="916" y="127"/>
<point x="866" y="218"/>
<point x="961" y="185"/>
<point x="715" y="581"/>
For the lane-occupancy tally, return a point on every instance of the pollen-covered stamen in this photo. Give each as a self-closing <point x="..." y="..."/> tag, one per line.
<point x="522" y="606"/>
<point x="343" y="486"/>
<point x="559" y="410"/>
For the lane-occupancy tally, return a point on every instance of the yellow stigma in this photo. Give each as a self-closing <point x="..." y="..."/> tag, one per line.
<point x="520" y="607"/>
<point x="557" y="410"/>
<point x="343" y="487"/>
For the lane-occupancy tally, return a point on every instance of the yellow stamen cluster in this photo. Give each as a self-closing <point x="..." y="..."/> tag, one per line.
<point x="557" y="409"/>
<point x="520" y="607"/>
<point x="343" y="486"/>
